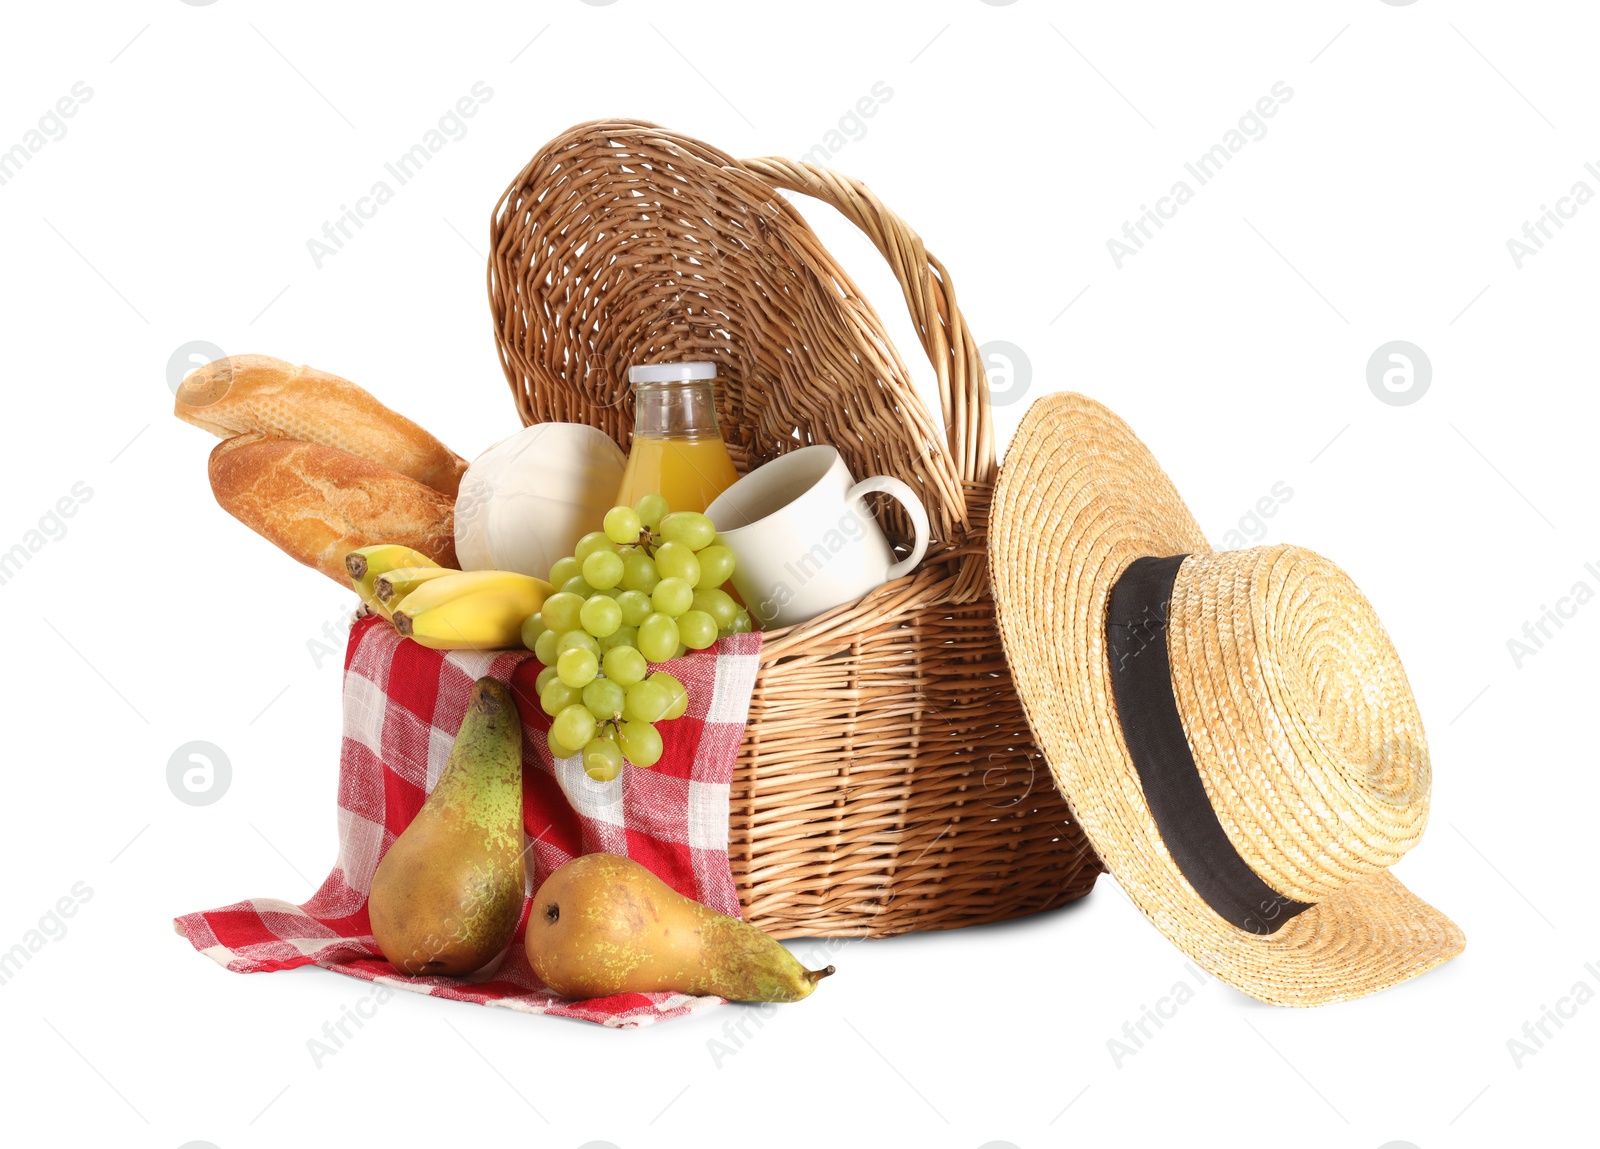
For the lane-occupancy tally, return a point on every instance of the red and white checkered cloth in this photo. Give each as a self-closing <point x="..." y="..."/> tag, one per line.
<point x="403" y="705"/>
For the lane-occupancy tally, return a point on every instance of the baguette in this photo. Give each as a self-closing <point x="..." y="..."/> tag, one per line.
<point x="246" y="394"/>
<point x="319" y="503"/>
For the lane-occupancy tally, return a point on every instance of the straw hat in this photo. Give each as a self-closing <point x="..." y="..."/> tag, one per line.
<point x="1234" y="730"/>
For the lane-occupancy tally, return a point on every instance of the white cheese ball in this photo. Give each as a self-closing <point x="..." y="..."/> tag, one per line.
<point x="527" y="500"/>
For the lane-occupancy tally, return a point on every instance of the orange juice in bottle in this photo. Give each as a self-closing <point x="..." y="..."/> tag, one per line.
<point x="678" y="452"/>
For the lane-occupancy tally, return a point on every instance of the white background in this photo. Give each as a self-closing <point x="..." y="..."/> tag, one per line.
<point x="1018" y="139"/>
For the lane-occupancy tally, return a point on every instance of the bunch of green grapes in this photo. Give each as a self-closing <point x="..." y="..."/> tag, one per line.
<point x="645" y="589"/>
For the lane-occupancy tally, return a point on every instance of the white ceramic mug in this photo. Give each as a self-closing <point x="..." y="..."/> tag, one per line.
<point x="803" y="539"/>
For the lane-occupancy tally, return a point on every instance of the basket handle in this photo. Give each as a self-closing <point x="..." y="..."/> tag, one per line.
<point x="929" y="293"/>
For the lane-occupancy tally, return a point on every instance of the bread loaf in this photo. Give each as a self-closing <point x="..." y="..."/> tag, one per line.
<point x="319" y="503"/>
<point x="246" y="394"/>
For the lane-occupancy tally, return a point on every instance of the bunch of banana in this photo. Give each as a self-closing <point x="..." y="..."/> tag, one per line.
<point x="369" y="563"/>
<point x="442" y="608"/>
<point x="469" y="610"/>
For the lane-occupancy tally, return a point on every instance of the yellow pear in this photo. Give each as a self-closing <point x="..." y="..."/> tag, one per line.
<point x="603" y="924"/>
<point x="447" y="896"/>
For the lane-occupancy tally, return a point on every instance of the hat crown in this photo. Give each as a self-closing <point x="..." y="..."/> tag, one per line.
<point x="1299" y="716"/>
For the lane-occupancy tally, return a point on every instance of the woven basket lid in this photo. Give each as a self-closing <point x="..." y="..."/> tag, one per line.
<point x="1233" y="729"/>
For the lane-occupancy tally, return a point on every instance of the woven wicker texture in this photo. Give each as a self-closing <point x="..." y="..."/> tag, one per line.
<point x="887" y="781"/>
<point x="1293" y="701"/>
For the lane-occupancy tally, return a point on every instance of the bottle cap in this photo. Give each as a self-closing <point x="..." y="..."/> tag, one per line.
<point x="671" y="372"/>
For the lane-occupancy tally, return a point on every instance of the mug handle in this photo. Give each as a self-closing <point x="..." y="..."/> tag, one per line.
<point x="907" y="498"/>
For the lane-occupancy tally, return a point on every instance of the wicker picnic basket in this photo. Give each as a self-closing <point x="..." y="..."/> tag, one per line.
<point x="888" y="781"/>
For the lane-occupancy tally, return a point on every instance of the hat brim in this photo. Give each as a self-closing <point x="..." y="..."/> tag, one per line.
<point x="1079" y="498"/>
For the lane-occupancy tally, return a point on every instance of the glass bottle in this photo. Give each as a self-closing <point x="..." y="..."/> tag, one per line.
<point x="678" y="451"/>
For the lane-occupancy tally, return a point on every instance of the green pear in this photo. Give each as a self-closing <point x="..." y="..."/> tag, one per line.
<point x="603" y="924"/>
<point x="447" y="896"/>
